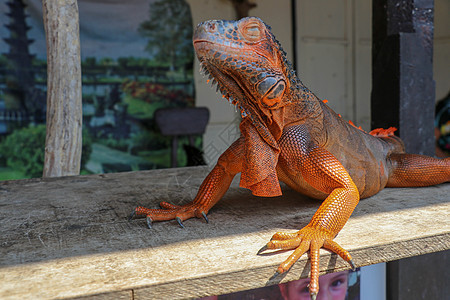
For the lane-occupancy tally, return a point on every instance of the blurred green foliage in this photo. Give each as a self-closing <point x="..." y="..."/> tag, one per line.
<point x="23" y="150"/>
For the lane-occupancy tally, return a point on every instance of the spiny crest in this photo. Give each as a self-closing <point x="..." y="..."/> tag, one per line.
<point x="295" y="83"/>
<point x="381" y="132"/>
<point x="220" y="88"/>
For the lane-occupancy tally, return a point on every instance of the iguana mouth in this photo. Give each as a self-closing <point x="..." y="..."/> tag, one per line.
<point x="199" y="44"/>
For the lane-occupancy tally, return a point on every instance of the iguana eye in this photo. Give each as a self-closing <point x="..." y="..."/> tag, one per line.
<point x="252" y="31"/>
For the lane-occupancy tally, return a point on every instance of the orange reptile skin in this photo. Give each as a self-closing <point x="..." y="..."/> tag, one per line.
<point x="289" y="135"/>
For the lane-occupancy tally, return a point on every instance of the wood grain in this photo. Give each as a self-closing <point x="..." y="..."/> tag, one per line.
<point x="69" y="237"/>
<point x="64" y="105"/>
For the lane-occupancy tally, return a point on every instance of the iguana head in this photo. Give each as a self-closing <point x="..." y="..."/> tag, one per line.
<point x="247" y="63"/>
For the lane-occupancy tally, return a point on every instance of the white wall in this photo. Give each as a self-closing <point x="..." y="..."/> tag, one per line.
<point x="335" y="44"/>
<point x="441" y="59"/>
<point x="334" y="53"/>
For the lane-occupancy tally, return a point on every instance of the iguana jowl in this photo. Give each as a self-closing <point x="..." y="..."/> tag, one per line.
<point x="289" y="135"/>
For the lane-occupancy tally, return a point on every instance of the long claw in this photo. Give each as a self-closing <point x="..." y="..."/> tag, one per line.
<point x="264" y="248"/>
<point x="275" y="275"/>
<point x="149" y="222"/>
<point x="179" y="222"/>
<point x="205" y="217"/>
<point x="352" y="264"/>
<point x="131" y="216"/>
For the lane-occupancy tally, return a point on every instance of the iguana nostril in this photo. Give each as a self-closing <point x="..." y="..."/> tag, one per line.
<point x="211" y="27"/>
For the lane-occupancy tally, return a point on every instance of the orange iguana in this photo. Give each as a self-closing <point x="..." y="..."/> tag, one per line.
<point x="288" y="134"/>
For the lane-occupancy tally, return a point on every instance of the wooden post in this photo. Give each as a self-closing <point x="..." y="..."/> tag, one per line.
<point x="403" y="90"/>
<point x="64" y="106"/>
<point x="403" y="95"/>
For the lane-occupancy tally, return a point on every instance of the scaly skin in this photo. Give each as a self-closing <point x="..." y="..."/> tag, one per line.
<point x="288" y="134"/>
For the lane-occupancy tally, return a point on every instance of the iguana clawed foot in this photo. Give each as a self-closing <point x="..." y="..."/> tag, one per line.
<point x="170" y="212"/>
<point x="307" y="239"/>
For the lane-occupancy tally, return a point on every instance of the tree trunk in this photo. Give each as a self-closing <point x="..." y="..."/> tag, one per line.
<point x="64" y="106"/>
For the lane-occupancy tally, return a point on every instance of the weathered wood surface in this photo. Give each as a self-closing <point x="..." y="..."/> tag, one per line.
<point x="69" y="237"/>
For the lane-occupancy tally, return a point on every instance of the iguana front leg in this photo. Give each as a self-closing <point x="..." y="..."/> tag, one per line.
<point x="210" y="192"/>
<point x="323" y="172"/>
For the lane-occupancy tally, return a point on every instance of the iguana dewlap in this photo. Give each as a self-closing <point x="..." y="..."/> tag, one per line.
<point x="289" y="135"/>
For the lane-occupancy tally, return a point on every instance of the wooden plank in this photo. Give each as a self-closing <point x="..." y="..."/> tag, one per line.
<point x="69" y="237"/>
